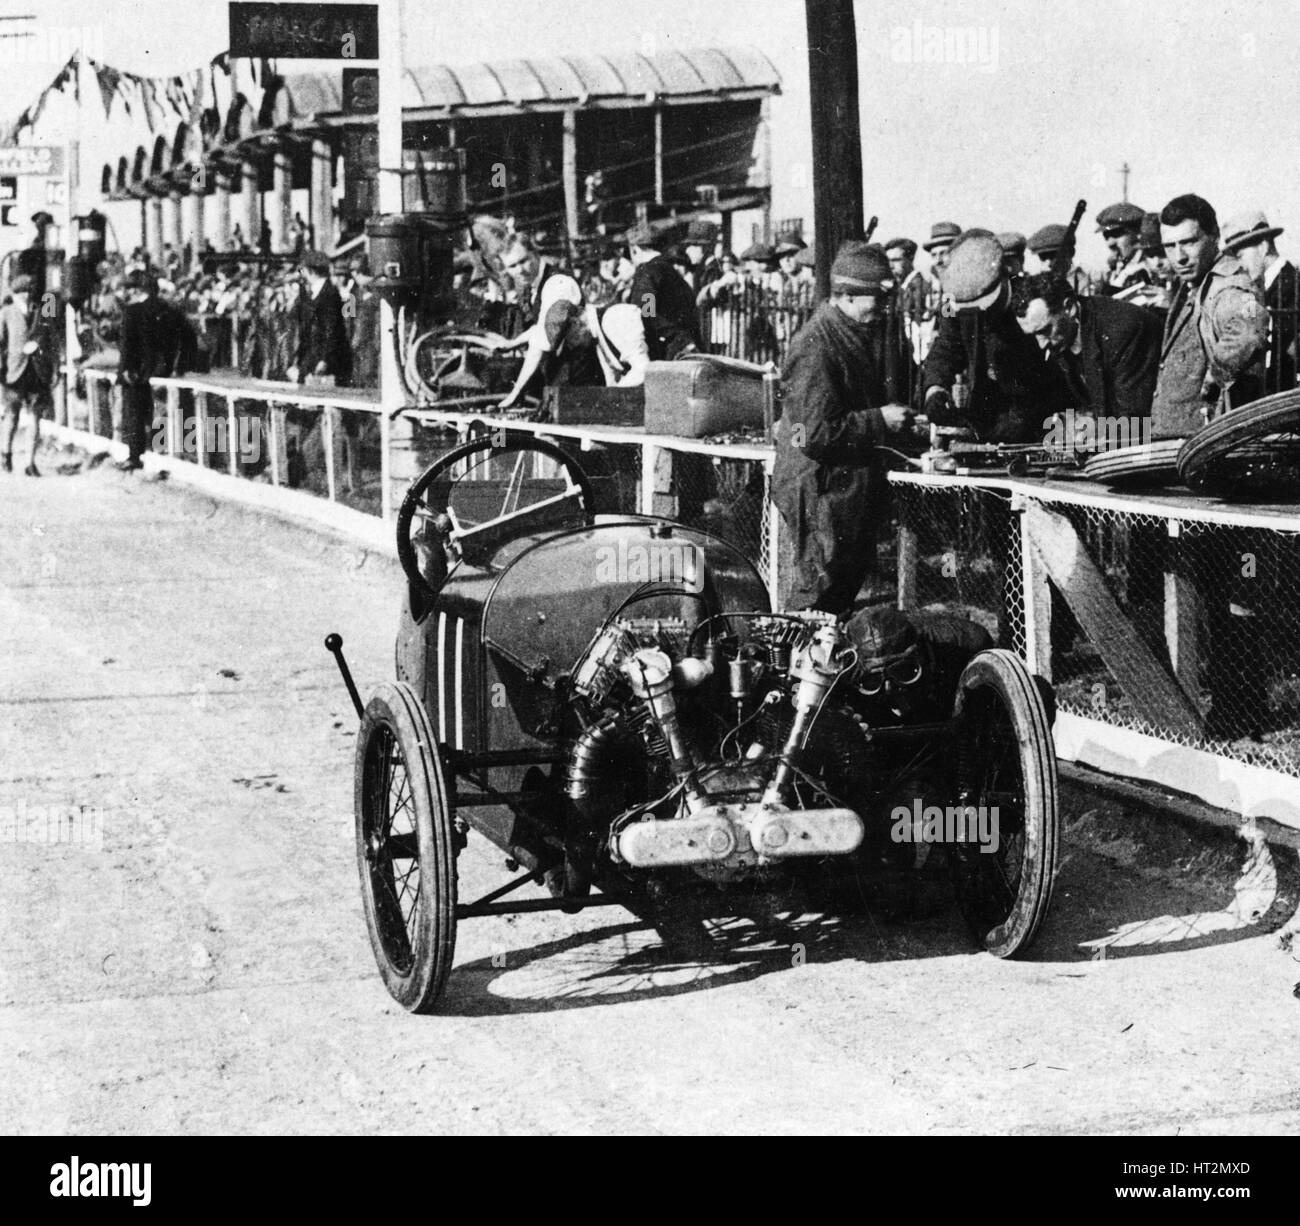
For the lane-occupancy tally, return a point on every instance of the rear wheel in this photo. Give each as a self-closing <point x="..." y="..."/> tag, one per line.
<point x="1006" y="767"/>
<point x="406" y="849"/>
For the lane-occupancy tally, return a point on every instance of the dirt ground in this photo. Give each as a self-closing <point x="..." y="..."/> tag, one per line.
<point x="199" y="961"/>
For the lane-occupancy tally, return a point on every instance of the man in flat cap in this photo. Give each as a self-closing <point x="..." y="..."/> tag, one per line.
<point x="829" y="478"/>
<point x="1121" y="227"/>
<point x="1217" y="330"/>
<point x="659" y="292"/>
<point x="27" y="364"/>
<point x="983" y="371"/>
<point x="1249" y="237"/>
<point x="1013" y="243"/>
<point x="1052" y="249"/>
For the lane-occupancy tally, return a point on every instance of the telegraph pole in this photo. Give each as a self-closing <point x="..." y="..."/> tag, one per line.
<point x="836" y="131"/>
<point x="1123" y="178"/>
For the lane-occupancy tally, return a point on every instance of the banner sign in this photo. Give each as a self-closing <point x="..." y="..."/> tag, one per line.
<point x="31" y="160"/>
<point x="305" y="31"/>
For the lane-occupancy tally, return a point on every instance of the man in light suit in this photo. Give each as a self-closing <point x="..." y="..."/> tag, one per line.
<point x="28" y="371"/>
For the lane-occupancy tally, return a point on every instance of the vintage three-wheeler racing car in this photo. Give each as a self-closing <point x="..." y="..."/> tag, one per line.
<point x="610" y="700"/>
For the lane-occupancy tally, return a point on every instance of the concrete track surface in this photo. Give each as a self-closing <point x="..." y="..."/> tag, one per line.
<point x="203" y="965"/>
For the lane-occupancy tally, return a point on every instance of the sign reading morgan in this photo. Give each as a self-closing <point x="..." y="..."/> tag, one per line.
<point x="305" y="31"/>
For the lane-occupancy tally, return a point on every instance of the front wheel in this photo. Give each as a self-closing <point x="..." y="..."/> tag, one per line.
<point x="406" y="849"/>
<point x="1006" y="774"/>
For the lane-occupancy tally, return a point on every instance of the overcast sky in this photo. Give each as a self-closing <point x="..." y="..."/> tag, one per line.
<point x="1198" y="95"/>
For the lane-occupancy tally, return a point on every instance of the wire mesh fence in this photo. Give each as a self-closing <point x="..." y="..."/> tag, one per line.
<point x="1186" y="629"/>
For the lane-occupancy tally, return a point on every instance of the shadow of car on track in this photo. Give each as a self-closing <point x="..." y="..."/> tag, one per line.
<point x="1102" y="908"/>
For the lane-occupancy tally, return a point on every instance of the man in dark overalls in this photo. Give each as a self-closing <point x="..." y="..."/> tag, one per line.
<point x="829" y="478"/>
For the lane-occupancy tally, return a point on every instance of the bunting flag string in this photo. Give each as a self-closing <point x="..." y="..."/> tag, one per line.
<point x="185" y="95"/>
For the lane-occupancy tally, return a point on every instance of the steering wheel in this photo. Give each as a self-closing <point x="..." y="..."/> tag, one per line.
<point x="464" y="506"/>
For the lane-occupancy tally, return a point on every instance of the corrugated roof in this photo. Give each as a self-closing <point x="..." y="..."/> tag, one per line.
<point x="558" y="80"/>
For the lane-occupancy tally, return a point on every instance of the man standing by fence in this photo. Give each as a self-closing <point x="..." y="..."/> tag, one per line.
<point x="1217" y="328"/>
<point x="156" y="340"/>
<point x="25" y="350"/>
<point x="829" y="478"/>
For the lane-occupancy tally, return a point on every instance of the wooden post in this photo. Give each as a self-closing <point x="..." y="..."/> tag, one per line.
<point x="156" y="240"/>
<point x="327" y="434"/>
<point x="282" y="195"/>
<point x="250" y="200"/>
<point x="193" y="222"/>
<point x="1182" y="610"/>
<point x="175" y="427"/>
<point x="221" y="201"/>
<point x="836" y="131"/>
<point x="201" y="429"/>
<point x="659" y="155"/>
<point x="392" y="390"/>
<point x="907" y="557"/>
<point x="649" y="458"/>
<point x="322" y="196"/>
<point x="1037" y="596"/>
<point x="277" y="417"/>
<point x="570" y="173"/>
<point x="232" y="437"/>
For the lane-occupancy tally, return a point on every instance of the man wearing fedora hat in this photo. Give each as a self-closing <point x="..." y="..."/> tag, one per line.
<point x="983" y="371"/>
<point x="1249" y="237"/>
<point x="829" y="478"/>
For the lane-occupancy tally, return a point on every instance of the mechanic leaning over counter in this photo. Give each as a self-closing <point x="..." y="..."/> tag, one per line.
<point x="982" y="371"/>
<point x="829" y="479"/>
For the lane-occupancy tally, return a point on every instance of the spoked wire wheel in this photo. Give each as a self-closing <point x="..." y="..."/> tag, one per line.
<point x="1253" y="451"/>
<point x="1006" y="767"/>
<point x="406" y="849"/>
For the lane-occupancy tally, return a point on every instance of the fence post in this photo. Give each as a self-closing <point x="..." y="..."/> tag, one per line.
<point x="1182" y="611"/>
<point x="906" y="565"/>
<point x="277" y="423"/>
<point x="201" y="429"/>
<point x="1037" y="597"/>
<point x="649" y="457"/>
<point x="174" y="424"/>
<point x="772" y="525"/>
<point x="232" y="437"/>
<point x="327" y="445"/>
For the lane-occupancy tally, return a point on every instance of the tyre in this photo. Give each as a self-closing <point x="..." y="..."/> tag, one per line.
<point x="1144" y="464"/>
<point x="406" y="848"/>
<point x="1257" y="445"/>
<point x="1006" y="767"/>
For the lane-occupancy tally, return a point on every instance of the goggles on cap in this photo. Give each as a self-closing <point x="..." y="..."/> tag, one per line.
<point x="903" y="670"/>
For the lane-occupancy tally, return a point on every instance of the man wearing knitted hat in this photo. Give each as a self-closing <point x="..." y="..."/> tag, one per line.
<point x="829" y="479"/>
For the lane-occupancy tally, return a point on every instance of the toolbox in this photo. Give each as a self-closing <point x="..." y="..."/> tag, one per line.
<point x="701" y="395"/>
